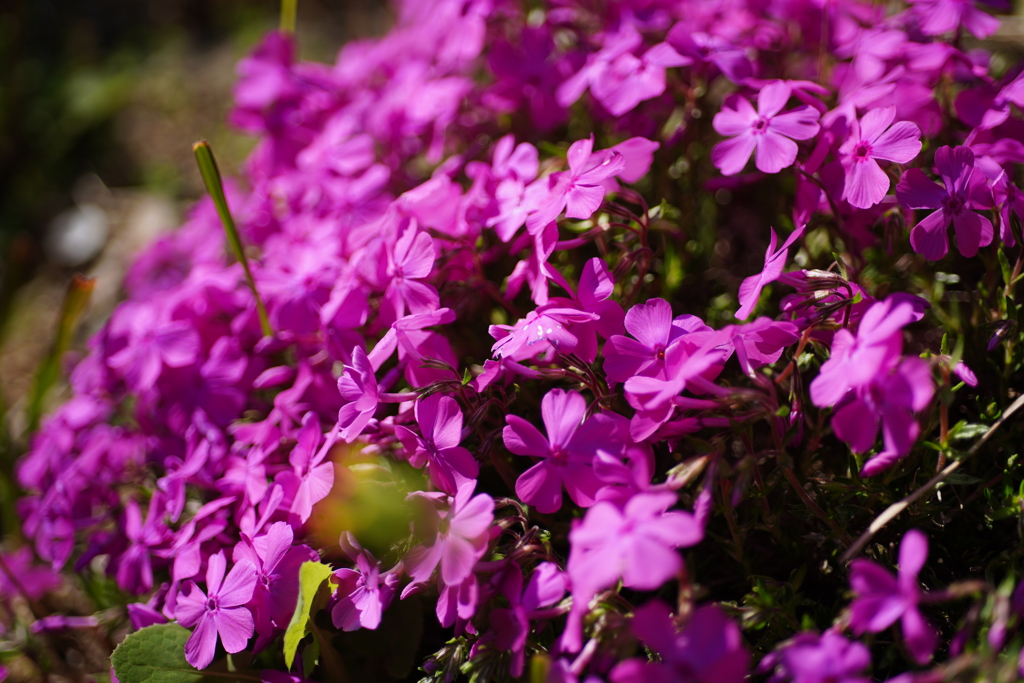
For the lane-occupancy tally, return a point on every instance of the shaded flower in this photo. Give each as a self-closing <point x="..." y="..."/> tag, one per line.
<point x="964" y="190"/>
<point x="882" y="598"/>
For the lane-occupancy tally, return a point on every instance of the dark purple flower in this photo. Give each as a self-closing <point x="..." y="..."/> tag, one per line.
<point x="964" y="191"/>
<point x="709" y="650"/>
<point x="882" y="598"/>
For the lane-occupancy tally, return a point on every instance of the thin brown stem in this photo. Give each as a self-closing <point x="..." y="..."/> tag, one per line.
<point x="891" y="512"/>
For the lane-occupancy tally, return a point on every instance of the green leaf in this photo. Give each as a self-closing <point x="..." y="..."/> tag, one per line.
<point x="962" y="479"/>
<point x="1004" y="265"/>
<point x="312" y="576"/>
<point x="211" y="178"/>
<point x="968" y="431"/>
<point x="76" y="298"/>
<point x="156" y="654"/>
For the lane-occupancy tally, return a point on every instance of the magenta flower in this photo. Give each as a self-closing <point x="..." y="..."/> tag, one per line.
<point x="1008" y="198"/>
<point x="409" y="261"/>
<point x="890" y="401"/>
<point x="220" y="613"/>
<point x="363" y="595"/>
<point x="869" y="384"/>
<point x="461" y="538"/>
<point x="628" y="80"/>
<point x="568" y="451"/>
<point x="358" y="387"/>
<point x="774" y="262"/>
<point x="579" y="190"/>
<point x="512" y="625"/>
<point x="709" y="650"/>
<point x="152" y="343"/>
<point x="134" y="568"/>
<point x="636" y="544"/>
<point x="946" y="16"/>
<point x="310" y="479"/>
<point x="542" y="330"/>
<point x="964" y="190"/>
<point x="882" y="599"/>
<point x="825" y="658"/>
<point x="437" y="446"/>
<point x="874" y="138"/>
<point x="277" y="564"/>
<point x="654" y="330"/>
<point x="856" y="361"/>
<point x="767" y="131"/>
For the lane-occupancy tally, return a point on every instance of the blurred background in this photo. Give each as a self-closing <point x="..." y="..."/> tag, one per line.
<point x="100" y="101"/>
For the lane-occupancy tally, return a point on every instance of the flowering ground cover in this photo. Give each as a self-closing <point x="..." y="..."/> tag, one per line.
<point x="479" y="372"/>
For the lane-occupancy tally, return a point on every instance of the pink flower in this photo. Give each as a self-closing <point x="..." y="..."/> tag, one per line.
<point x="629" y="80"/>
<point x="221" y="613"/>
<point x="874" y="138"/>
<point x="709" y="650"/>
<point x="363" y="595"/>
<point x="461" y="538"/>
<point x="277" y="564"/>
<point x="636" y="544"/>
<point x="437" y="446"/>
<point x="512" y="625"/>
<point x="764" y="130"/>
<point x="869" y="384"/>
<point x="579" y="190"/>
<point x="310" y="479"/>
<point x="945" y="16"/>
<point x="774" y="262"/>
<point x="358" y="387"/>
<point x="134" y="570"/>
<point x="883" y="598"/>
<point x="568" y="451"/>
<point x="964" y="190"/>
<point x="409" y="261"/>
<point x="825" y="658"/>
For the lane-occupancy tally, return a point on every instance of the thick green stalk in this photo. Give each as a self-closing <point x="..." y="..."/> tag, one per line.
<point x="289" y="8"/>
<point x="214" y="185"/>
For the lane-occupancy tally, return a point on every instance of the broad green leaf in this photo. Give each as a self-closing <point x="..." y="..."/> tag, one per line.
<point x="156" y="654"/>
<point x="312" y="576"/>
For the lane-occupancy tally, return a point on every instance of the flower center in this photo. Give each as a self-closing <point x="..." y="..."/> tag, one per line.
<point x="559" y="456"/>
<point x="211" y="603"/>
<point x="953" y="205"/>
<point x="761" y="125"/>
<point x="863" y="151"/>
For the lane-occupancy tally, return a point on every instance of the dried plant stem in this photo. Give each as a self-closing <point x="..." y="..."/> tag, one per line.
<point x="895" y="509"/>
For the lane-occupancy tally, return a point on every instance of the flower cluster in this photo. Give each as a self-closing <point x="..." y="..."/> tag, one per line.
<point x="482" y="317"/>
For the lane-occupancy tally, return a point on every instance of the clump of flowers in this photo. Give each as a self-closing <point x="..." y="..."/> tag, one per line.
<point x="495" y="397"/>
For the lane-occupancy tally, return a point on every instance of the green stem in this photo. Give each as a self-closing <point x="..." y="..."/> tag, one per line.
<point x="289" y="9"/>
<point x="214" y="185"/>
<point x="75" y="300"/>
